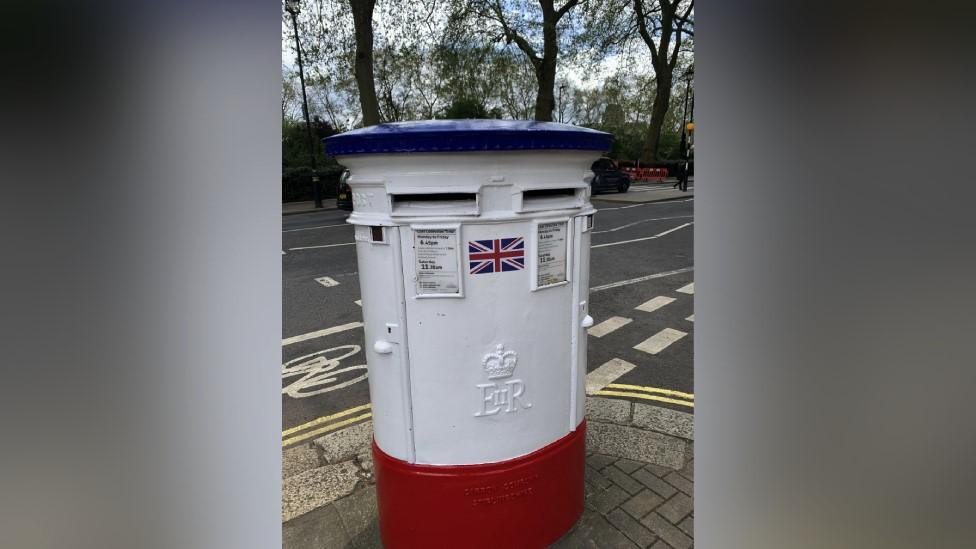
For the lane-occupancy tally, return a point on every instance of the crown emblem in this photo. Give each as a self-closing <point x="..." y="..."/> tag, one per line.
<point x="500" y="363"/>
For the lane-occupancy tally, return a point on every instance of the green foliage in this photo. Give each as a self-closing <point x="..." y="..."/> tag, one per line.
<point x="466" y="108"/>
<point x="452" y="58"/>
<point x="294" y="143"/>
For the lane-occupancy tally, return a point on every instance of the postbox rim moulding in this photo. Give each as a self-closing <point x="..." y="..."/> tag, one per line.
<point x="466" y="136"/>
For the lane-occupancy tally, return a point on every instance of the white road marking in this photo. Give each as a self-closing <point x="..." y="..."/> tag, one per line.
<point x="359" y="302"/>
<point x="640" y="279"/>
<point x="313" y="228"/>
<point x="609" y="325"/>
<point x="321" y="333"/>
<point x="327" y="281"/>
<point x="652" y="305"/>
<point x="669" y="231"/>
<point x="323" y="246"/>
<point x="691" y="318"/>
<point x="658" y="235"/>
<point x="606" y="374"/>
<point x="660" y="341"/>
<point x="642" y="221"/>
<point x="319" y="372"/>
<point x="687" y="289"/>
<point x="282" y="252"/>
<point x="638" y="205"/>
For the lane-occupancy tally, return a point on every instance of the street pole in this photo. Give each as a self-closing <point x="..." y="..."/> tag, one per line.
<point x="691" y="129"/>
<point x="684" y="117"/>
<point x="683" y="147"/>
<point x="561" y="102"/>
<point x="291" y="6"/>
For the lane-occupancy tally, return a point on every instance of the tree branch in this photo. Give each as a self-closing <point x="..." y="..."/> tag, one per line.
<point x="683" y="20"/>
<point x="512" y="36"/>
<point x="679" y="29"/>
<point x="677" y="48"/>
<point x="642" y="29"/>
<point x="566" y="7"/>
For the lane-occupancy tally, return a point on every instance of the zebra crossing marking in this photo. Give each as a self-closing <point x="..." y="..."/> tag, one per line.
<point x="652" y="305"/>
<point x="660" y="341"/>
<point x="609" y="325"/>
<point x="606" y="374"/>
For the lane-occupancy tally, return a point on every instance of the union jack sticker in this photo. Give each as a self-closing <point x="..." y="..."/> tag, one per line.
<point x="496" y="256"/>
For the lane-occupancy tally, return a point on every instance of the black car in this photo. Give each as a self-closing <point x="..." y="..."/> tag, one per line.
<point x="344" y="193"/>
<point x="607" y="176"/>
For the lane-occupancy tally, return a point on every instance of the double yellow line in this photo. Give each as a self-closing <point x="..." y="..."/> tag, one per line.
<point x="335" y="421"/>
<point x="648" y="393"/>
<point x="288" y="436"/>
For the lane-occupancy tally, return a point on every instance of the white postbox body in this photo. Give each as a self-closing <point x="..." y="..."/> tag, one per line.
<point x="474" y="269"/>
<point x="473" y="241"/>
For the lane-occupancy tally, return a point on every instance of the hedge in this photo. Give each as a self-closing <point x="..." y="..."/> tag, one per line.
<point x="296" y="183"/>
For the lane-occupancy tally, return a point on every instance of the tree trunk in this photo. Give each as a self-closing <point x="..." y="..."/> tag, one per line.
<point x="545" y="101"/>
<point x="662" y="98"/>
<point x="362" y="15"/>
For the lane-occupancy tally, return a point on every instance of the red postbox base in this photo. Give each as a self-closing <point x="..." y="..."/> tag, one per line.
<point x="526" y="502"/>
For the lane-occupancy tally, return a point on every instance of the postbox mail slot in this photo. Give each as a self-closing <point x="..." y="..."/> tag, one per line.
<point x="435" y="204"/>
<point x="534" y="200"/>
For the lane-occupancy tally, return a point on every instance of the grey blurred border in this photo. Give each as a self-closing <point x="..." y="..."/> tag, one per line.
<point x="141" y="295"/>
<point x="834" y="261"/>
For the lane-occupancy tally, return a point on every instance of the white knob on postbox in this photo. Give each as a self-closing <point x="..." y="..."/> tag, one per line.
<point x="383" y="347"/>
<point x="587" y="321"/>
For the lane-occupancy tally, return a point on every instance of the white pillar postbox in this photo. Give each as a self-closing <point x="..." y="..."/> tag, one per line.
<point x="473" y="245"/>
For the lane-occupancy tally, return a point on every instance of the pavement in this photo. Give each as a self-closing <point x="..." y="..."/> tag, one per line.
<point x="628" y="504"/>
<point x="648" y="191"/>
<point x="292" y="208"/>
<point x="640" y="375"/>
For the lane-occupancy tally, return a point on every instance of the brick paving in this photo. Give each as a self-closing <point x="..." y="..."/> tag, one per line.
<point x="628" y="504"/>
<point x="632" y="504"/>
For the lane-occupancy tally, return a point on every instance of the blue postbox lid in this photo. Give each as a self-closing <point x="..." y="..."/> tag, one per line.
<point x="466" y="136"/>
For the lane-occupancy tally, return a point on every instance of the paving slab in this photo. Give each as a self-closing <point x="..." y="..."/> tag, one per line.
<point x="613" y="410"/>
<point x="315" y="488"/>
<point x="664" y="420"/>
<point x="298" y="460"/>
<point x="637" y="444"/>
<point x="593" y="531"/>
<point x="359" y="517"/>
<point x="667" y="531"/>
<point x="642" y="504"/>
<point x="347" y="443"/>
<point x="655" y="483"/>
<point x="631" y="528"/>
<point x="317" y="529"/>
<point x="676" y="508"/>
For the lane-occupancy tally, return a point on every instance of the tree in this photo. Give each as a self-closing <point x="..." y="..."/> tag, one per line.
<point x="516" y="23"/>
<point x="465" y="108"/>
<point x="661" y="19"/>
<point x="289" y="96"/>
<point x="660" y="27"/>
<point x="362" y="16"/>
